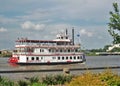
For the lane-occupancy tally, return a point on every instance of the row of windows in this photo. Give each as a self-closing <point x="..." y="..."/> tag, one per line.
<point x="61" y="50"/>
<point x="42" y="50"/>
<point x="35" y="58"/>
<point x="59" y="58"/>
<point x="66" y="58"/>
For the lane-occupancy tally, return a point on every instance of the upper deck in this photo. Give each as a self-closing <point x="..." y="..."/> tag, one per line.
<point x="62" y="41"/>
<point x="45" y="44"/>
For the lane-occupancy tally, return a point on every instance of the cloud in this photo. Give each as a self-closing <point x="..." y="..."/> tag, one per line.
<point x="32" y="26"/>
<point x="6" y="20"/>
<point x="85" y="32"/>
<point x="3" y="29"/>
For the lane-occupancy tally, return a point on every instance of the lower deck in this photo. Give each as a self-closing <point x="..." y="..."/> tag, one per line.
<point x="51" y="59"/>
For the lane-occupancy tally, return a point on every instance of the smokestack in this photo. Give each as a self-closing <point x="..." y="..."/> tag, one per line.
<point x="66" y="31"/>
<point x="73" y="35"/>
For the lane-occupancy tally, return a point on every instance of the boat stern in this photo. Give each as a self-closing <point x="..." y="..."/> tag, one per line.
<point x="13" y="60"/>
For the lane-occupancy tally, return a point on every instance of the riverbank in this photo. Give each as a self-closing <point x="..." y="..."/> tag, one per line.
<point x="106" y="78"/>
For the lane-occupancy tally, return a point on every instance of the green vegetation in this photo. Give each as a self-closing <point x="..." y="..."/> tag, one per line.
<point x="35" y="81"/>
<point x="106" y="78"/>
<point x="5" y="53"/>
<point x="92" y="52"/>
<point x="6" y="82"/>
<point x="114" y="24"/>
<point x="57" y="79"/>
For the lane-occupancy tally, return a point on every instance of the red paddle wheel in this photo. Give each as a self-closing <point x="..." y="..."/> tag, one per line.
<point x="13" y="60"/>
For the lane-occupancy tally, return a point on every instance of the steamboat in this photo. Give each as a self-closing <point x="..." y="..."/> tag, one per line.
<point x="61" y="50"/>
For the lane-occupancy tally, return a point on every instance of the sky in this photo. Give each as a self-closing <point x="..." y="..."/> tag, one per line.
<point x="44" y="19"/>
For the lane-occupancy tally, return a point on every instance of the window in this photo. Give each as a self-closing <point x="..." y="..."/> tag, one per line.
<point x="52" y="50"/>
<point x="41" y="57"/>
<point x="78" y="57"/>
<point x="49" y="50"/>
<point x="53" y="57"/>
<point x="68" y="50"/>
<point x="76" y="50"/>
<point x="42" y="50"/>
<point x="60" y="50"/>
<point x="62" y="58"/>
<point x="66" y="57"/>
<point x="58" y="58"/>
<point x="32" y="58"/>
<point x="70" y="57"/>
<point x="74" y="57"/>
<point x="37" y="58"/>
<point x="56" y="50"/>
<point x="27" y="58"/>
<point x="18" y="58"/>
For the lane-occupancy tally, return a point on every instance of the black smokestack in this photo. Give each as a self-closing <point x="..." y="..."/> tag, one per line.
<point x="73" y="35"/>
<point x="66" y="32"/>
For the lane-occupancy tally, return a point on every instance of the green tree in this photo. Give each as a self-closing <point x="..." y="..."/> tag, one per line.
<point x="114" y="24"/>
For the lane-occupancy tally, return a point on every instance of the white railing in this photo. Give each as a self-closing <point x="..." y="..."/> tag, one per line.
<point x="50" y="46"/>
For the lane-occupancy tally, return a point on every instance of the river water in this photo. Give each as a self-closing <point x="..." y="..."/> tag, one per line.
<point x="91" y="61"/>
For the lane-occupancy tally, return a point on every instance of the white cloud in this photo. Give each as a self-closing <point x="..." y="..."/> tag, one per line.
<point x="32" y="26"/>
<point x="3" y="29"/>
<point x="82" y="10"/>
<point x="6" y="20"/>
<point x="85" y="32"/>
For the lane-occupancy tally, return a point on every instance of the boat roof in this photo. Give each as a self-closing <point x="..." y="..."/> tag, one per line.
<point x="41" y="41"/>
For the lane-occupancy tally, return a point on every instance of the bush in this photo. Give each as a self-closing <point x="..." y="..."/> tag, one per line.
<point x="22" y="83"/>
<point x="110" y="78"/>
<point x="106" y="78"/>
<point x="34" y="79"/>
<point x="6" y="82"/>
<point x="38" y="84"/>
<point x="87" y="79"/>
<point x="56" y="79"/>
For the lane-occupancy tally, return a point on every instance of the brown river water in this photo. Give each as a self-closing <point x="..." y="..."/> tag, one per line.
<point x="91" y="61"/>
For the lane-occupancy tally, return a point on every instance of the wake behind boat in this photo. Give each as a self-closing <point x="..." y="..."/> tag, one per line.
<point x="61" y="50"/>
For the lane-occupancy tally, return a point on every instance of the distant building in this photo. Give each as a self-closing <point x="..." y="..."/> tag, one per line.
<point x="113" y="46"/>
<point x="5" y="51"/>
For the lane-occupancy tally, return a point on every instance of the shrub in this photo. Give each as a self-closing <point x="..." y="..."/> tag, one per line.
<point x="22" y="83"/>
<point x="34" y="79"/>
<point x="6" y="82"/>
<point x="38" y="84"/>
<point x="48" y="80"/>
<point x="110" y="78"/>
<point x="87" y="79"/>
<point x="56" y="79"/>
